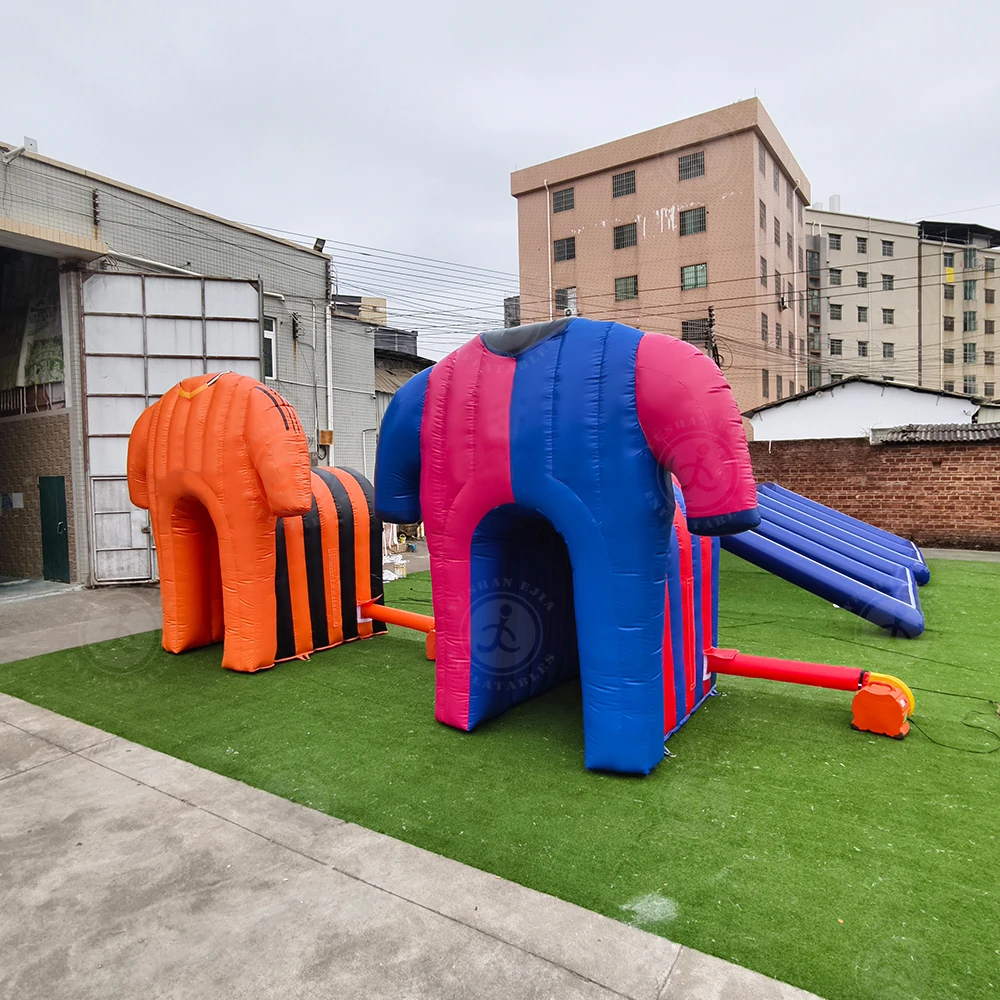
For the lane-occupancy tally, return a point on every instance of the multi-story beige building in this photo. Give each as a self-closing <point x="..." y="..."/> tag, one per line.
<point x="654" y="229"/>
<point x="911" y="302"/>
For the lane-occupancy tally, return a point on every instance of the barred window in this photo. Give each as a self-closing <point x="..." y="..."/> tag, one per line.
<point x="989" y="358"/>
<point x="626" y="236"/>
<point x="949" y="324"/>
<point x="949" y="356"/>
<point x="565" y="299"/>
<point x="800" y="213"/>
<point x="694" y="276"/>
<point x="969" y="354"/>
<point x="988" y="388"/>
<point x="623" y="183"/>
<point x="834" y="241"/>
<point x="835" y="275"/>
<point x="777" y="386"/>
<point x="888" y="282"/>
<point x="788" y="245"/>
<point x="862" y="348"/>
<point x="777" y="179"/>
<point x="836" y="347"/>
<point x="836" y="310"/>
<point x="765" y="378"/>
<point x="788" y="196"/>
<point x="989" y="296"/>
<point x="692" y="165"/>
<point x="862" y="244"/>
<point x="695" y="331"/>
<point x="763" y="271"/>
<point x="949" y="260"/>
<point x="888" y="350"/>
<point x="763" y="327"/>
<point x="862" y="279"/>
<point x="762" y="213"/>
<point x="989" y="325"/>
<point x="989" y="265"/>
<point x="777" y="336"/>
<point x="562" y="201"/>
<point x="802" y="260"/>
<point x="949" y="291"/>
<point x="888" y="315"/>
<point x="862" y="314"/>
<point x="969" y="385"/>
<point x="564" y="249"/>
<point x="777" y="232"/>
<point x="969" y="322"/>
<point x="627" y="288"/>
<point x="762" y="158"/>
<point x="888" y="248"/>
<point x="693" y="221"/>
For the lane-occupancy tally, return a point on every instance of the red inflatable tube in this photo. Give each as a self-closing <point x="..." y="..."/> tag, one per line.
<point x="732" y="661"/>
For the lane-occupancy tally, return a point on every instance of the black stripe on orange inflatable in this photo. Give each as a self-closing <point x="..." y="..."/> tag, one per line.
<point x="283" y="595"/>
<point x="313" y="534"/>
<point x="375" y="538"/>
<point x="345" y="525"/>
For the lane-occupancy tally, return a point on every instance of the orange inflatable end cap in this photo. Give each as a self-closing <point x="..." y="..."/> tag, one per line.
<point x="881" y="708"/>
<point x="430" y="645"/>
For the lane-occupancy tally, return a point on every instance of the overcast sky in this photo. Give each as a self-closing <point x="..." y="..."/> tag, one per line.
<point x="396" y="124"/>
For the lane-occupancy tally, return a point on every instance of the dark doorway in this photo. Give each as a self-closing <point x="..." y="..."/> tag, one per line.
<point x="55" y="538"/>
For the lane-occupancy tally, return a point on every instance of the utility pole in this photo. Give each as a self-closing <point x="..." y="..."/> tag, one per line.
<point x="711" y="347"/>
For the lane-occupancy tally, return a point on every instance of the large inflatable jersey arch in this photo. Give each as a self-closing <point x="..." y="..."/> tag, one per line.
<point x="540" y="460"/>
<point x="254" y="548"/>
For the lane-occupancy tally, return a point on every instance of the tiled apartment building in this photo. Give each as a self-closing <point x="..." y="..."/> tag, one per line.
<point x="653" y="229"/>
<point x="911" y="302"/>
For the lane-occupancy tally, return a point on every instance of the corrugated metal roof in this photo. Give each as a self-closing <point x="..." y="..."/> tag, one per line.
<point x="936" y="434"/>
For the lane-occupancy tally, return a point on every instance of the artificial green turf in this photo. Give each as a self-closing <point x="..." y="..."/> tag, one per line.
<point x="776" y="837"/>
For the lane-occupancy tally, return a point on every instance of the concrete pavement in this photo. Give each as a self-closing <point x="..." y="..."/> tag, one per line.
<point x="125" y="873"/>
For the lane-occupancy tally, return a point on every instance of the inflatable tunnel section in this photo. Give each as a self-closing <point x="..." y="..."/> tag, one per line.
<point x="870" y="572"/>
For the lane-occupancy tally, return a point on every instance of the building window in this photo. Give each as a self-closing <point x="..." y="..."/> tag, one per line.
<point x="763" y="271"/>
<point x="813" y="337"/>
<point x="788" y="196"/>
<point x="762" y="158"/>
<point x="566" y="301"/>
<point x="788" y="245"/>
<point x="812" y="298"/>
<point x="789" y="295"/>
<point x="862" y="244"/>
<point x="887" y="248"/>
<point x="692" y="165"/>
<point x="949" y="291"/>
<point x="562" y="201"/>
<point x="815" y="377"/>
<point x="969" y="354"/>
<point x="888" y="378"/>
<point x="949" y="355"/>
<point x="693" y="221"/>
<point x="762" y="214"/>
<point x="888" y="350"/>
<point x="802" y="346"/>
<point x="888" y="315"/>
<point x="949" y="260"/>
<point x="763" y="327"/>
<point x="777" y="232"/>
<point x="888" y="282"/>
<point x="836" y="275"/>
<point x="627" y="288"/>
<point x="694" y="276"/>
<point x="834" y="241"/>
<point x="694" y="331"/>
<point x="270" y="357"/>
<point x="765" y="378"/>
<point x="836" y="376"/>
<point x="862" y="314"/>
<point x="969" y="257"/>
<point x="862" y="348"/>
<point x="949" y="386"/>
<point x="812" y="260"/>
<point x="802" y="260"/>
<point x="777" y="386"/>
<point x="836" y="347"/>
<point x="777" y="335"/>
<point x="949" y="324"/>
<point x="836" y="310"/>
<point x="969" y="290"/>
<point x="626" y="236"/>
<point x="989" y="326"/>
<point x="862" y="279"/>
<point x="623" y="183"/>
<point x="564" y="249"/>
<point x="988" y="358"/>
<point x="800" y="213"/>
<point x="969" y="385"/>
<point x="777" y="179"/>
<point x="989" y="265"/>
<point x="988" y="388"/>
<point x="969" y="323"/>
<point x="989" y="296"/>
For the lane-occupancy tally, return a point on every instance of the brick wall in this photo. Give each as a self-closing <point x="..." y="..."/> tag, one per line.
<point x="30" y="447"/>
<point x="935" y="494"/>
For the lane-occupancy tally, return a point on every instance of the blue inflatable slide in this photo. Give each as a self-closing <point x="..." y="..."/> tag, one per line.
<point x="855" y="565"/>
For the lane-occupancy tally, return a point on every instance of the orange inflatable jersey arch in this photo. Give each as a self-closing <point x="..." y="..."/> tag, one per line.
<point x="254" y="549"/>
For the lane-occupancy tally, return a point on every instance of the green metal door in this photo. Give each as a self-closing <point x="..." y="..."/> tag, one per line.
<point x="55" y="540"/>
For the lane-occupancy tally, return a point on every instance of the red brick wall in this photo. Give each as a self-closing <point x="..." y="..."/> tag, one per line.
<point x="935" y="494"/>
<point x="31" y="447"/>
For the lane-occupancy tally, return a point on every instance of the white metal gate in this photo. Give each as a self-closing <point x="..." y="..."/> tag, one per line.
<point x="141" y="335"/>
